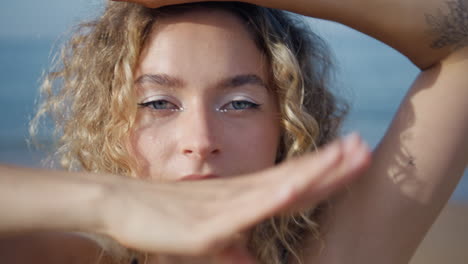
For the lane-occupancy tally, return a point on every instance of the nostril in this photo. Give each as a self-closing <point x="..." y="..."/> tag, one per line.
<point x="188" y="151"/>
<point x="201" y="153"/>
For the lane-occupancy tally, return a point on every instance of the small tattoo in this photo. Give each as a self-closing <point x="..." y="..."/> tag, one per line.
<point x="450" y="29"/>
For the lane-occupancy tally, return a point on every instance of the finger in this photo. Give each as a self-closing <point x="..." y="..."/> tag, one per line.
<point x="310" y="180"/>
<point x="356" y="158"/>
<point x="261" y="203"/>
<point x="295" y="177"/>
<point x="286" y="188"/>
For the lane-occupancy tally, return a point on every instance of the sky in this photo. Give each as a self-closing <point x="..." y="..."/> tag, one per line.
<point x="43" y="18"/>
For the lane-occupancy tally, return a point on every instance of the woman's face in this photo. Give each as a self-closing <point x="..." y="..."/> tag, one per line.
<point x="204" y="106"/>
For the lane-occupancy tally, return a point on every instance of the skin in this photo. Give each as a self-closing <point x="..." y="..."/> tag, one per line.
<point x="199" y="128"/>
<point x="206" y="122"/>
<point x="182" y="222"/>
<point x="414" y="171"/>
<point x="157" y="217"/>
<point x="413" y="174"/>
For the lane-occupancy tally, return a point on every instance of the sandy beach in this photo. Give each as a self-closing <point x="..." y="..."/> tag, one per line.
<point x="447" y="241"/>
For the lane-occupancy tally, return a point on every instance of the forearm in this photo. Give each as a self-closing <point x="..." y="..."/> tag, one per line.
<point x="32" y="200"/>
<point x="426" y="31"/>
<point x="409" y="26"/>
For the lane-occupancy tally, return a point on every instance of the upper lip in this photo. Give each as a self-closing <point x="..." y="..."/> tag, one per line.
<point x="193" y="177"/>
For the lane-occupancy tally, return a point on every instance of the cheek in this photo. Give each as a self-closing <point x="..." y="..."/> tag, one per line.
<point x="256" y="145"/>
<point x="149" y="146"/>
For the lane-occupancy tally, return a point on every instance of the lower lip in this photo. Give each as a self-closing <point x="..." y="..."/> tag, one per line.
<point x="199" y="177"/>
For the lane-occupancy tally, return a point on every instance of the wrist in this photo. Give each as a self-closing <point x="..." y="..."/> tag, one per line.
<point x="42" y="200"/>
<point x="105" y="209"/>
<point x="89" y="206"/>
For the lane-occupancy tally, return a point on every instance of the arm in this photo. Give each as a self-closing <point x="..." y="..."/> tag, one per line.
<point x="426" y="31"/>
<point x="181" y="218"/>
<point x="35" y="200"/>
<point x="385" y="215"/>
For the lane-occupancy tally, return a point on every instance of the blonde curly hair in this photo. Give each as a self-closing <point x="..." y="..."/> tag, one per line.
<point x="90" y="97"/>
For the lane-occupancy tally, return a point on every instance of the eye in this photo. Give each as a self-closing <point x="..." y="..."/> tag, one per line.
<point x="240" y="105"/>
<point x="160" y="105"/>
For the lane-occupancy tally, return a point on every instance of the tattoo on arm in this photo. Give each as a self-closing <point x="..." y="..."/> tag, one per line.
<point x="450" y="29"/>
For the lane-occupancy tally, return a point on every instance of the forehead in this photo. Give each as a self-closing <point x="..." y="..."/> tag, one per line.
<point x="204" y="41"/>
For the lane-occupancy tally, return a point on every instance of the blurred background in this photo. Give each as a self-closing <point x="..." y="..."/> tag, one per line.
<point x="371" y="76"/>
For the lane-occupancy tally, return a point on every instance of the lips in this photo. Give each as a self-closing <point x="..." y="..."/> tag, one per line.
<point x="195" y="177"/>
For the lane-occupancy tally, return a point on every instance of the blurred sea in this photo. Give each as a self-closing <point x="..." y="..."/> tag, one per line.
<point x="371" y="76"/>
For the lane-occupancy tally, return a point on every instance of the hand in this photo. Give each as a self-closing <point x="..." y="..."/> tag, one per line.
<point x="202" y="217"/>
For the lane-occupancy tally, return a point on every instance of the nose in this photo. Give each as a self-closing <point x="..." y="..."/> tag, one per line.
<point x="198" y="134"/>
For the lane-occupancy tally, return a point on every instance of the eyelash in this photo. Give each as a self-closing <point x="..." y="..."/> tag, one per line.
<point x="250" y="105"/>
<point x="152" y="105"/>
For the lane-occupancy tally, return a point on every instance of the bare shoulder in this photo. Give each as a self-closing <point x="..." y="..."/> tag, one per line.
<point x="48" y="247"/>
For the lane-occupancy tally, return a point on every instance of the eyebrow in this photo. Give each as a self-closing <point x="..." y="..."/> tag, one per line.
<point x="240" y="80"/>
<point x="173" y="82"/>
<point x="160" y="79"/>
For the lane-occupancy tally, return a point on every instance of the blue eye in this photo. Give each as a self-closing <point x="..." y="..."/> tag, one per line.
<point x="241" y="105"/>
<point x="160" y="105"/>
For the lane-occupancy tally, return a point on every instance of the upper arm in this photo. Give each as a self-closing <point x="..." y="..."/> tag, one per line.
<point x="383" y="216"/>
